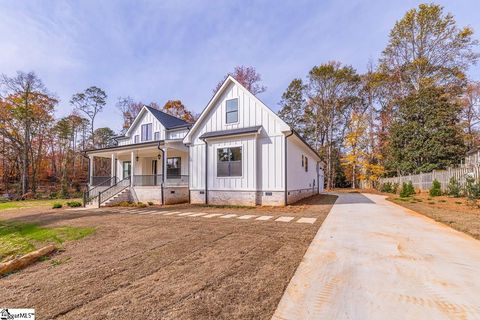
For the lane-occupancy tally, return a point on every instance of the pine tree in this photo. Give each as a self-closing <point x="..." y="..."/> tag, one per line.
<point x="426" y="134"/>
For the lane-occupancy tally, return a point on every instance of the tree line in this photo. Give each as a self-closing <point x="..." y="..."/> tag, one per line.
<point x="414" y="110"/>
<point x="43" y="156"/>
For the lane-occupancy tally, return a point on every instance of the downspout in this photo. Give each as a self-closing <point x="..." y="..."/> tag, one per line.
<point x="206" y="169"/>
<point x="163" y="176"/>
<point x="286" y="162"/>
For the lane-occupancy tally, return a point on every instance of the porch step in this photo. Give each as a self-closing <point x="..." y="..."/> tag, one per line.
<point x="124" y="195"/>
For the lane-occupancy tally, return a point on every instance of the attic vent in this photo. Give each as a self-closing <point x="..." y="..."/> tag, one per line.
<point x="268" y="193"/>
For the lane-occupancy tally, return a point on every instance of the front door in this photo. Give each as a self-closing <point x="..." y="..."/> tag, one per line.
<point x="154" y="172"/>
<point x="127" y="169"/>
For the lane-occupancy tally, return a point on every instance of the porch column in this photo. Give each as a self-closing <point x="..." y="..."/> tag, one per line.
<point x="164" y="167"/>
<point x="90" y="170"/>
<point x="113" y="171"/>
<point x="132" y="161"/>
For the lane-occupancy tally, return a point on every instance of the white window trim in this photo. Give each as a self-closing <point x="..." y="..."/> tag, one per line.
<point x="141" y="131"/>
<point x="216" y="161"/>
<point x="238" y="112"/>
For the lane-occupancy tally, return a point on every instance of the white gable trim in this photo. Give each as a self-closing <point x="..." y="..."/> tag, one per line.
<point x="188" y="138"/>
<point x="135" y="121"/>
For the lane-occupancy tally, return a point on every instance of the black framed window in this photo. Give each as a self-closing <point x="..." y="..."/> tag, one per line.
<point x="174" y="167"/>
<point x="229" y="162"/>
<point x="306" y="164"/>
<point x="231" y="110"/>
<point x="146" y="132"/>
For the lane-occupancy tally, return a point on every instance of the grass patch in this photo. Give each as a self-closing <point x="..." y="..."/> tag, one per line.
<point x="34" y="203"/>
<point x="18" y="238"/>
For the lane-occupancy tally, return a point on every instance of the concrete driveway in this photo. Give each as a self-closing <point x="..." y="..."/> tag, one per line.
<point x="372" y="259"/>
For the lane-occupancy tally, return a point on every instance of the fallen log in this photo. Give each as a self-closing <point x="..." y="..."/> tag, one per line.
<point x="26" y="260"/>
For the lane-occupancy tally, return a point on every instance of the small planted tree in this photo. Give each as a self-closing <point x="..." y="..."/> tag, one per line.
<point x="436" y="189"/>
<point x="386" y="187"/>
<point x="407" y="190"/>
<point x="472" y="190"/>
<point x="395" y="187"/>
<point x="453" y="188"/>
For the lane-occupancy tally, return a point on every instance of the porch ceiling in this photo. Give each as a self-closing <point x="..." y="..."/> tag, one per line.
<point x="150" y="150"/>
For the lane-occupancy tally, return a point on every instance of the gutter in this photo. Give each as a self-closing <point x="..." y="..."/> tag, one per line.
<point x="206" y="169"/>
<point x="286" y="162"/>
<point x="163" y="176"/>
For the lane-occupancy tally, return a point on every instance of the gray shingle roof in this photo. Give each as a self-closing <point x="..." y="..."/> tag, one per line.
<point x="168" y="121"/>
<point x="231" y="132"/>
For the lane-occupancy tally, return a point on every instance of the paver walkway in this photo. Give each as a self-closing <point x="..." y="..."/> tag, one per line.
<point x="372" y="259"/>
<point x="188" y="214"/>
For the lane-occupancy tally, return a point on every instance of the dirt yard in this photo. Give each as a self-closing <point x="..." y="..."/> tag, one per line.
<point x="165" y="267"/>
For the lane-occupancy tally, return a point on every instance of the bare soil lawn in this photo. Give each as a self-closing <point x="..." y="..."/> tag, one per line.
<point x="165" y="267"/>
<point x="454" y="212"/>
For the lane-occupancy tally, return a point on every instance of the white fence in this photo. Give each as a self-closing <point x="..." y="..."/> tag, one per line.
<point x="423" y="181"/>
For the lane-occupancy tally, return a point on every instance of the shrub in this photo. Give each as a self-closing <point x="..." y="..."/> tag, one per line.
<point x="386" y="187"/>
<point x="407" y="190"/>
<point x="53" y="195"/>
<point x="141" y="205"/>
<point x="472" y="189"/>
<point x="395" y="187"/>
<point x="454" y="189"/>
<point x="57" y="205"/>
<point x="436" y="189"/>
<point x="150" y="203"/>
<point x="74" y="204"/>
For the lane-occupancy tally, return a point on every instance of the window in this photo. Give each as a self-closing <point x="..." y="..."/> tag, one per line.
<point x="302" y="160"/>
<point x="306" y="164"/>
<point x="146" y="132"/>
<point x="174" y="167"/>
<point x="157" y="135"/>
<point x="135" y="138"/>
<point x="232" y="110"/>
<point x="229" y="162"/>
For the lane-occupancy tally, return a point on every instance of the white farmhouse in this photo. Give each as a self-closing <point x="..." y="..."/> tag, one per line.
<point x="242" y="153"/>
<point x="239" y="152"/>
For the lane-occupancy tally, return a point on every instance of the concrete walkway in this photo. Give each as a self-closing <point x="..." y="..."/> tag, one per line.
<point x="372" y="259"/>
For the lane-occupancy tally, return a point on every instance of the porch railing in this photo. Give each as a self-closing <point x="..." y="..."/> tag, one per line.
<point x="157" y="180"/>
<point x="113" y="190"/>
<point x="148" y="180"/>
<point x="92" y="193"/>
<point x="103" y="181"/>
<point x="174" y="181"/>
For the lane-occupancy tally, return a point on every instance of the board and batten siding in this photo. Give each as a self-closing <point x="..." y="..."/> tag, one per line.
<point x="263" y="156"/>
<point x="298" y="178"/>
<point x="145" y="118"/>
<point x="176" y="134"/>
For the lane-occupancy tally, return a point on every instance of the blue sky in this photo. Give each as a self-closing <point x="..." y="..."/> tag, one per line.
<point x="160" y="50"/>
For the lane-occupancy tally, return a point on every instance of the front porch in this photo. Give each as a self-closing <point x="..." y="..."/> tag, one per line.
<point x="154" y="172"/>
